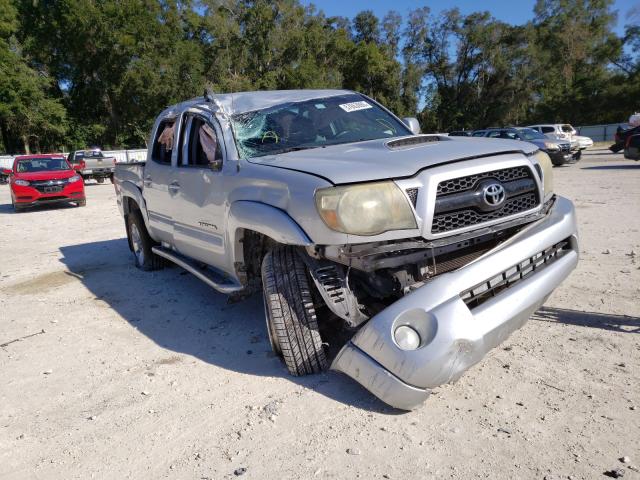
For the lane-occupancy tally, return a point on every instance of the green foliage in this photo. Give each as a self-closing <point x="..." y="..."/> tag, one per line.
<point x="83" y="72"/>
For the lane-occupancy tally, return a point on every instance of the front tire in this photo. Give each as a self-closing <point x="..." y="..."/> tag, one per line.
<point x="291" y="317"/>
<point x="141" y="243"/>
<point x="100" y="179"/>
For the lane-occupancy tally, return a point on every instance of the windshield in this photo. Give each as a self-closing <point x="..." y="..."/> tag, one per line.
<point x="41" y="165"/>
<point x="531" y="134"/>
<point x="312" y="124"/>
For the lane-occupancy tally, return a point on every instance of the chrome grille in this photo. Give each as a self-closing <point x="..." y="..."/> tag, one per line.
<point x="459" y="201"/>
<point x="467" y="183"/>
<point x="466" y="218"/>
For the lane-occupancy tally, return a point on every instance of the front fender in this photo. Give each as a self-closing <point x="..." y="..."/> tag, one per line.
<point x="265" y="219"/>
<point x="268" y="220"/>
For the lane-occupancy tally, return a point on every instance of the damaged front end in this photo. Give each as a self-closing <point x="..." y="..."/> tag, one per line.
<point x="456" y="298"/>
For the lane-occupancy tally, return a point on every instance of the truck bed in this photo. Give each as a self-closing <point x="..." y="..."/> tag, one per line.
<point x="130" y="172"/>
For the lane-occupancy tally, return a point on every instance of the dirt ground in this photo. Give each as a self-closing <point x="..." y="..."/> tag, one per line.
<point x="154" y="375"/>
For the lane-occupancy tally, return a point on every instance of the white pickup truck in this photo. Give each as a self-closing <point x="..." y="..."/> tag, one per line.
<point x="429" y="249"/>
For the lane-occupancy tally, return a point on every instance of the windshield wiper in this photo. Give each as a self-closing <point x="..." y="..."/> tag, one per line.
<point x="294" y="149"/>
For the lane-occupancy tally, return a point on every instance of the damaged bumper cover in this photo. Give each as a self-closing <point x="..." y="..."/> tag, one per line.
<point x="462" y="315"/>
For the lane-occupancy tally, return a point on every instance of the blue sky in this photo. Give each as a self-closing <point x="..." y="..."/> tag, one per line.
<point x="514" y="11"/>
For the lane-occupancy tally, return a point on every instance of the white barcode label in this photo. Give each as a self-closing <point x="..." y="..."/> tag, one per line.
<point x="355" y="106"/>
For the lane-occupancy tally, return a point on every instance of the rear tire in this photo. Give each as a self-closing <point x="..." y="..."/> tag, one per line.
<point x="141" y="243"/>
<point x="82" y="203"/>
<point x="100" y="179"/>
<point x="291" y="317"/>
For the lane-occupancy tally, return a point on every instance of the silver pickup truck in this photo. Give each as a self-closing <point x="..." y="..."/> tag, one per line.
<point x="92" y="164"/>
<point x="429" y="249"/>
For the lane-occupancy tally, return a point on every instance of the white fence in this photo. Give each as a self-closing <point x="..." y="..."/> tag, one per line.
<point x="601" y="133"/>
<point x="121" y="156"/>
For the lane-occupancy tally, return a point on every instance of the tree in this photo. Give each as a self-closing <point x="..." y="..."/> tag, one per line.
<point x="30" y="117"/>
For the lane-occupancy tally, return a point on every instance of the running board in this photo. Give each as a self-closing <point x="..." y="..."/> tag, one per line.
<point x="211" y="278"/>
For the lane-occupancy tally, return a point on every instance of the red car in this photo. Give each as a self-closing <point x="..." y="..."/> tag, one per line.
<point x="44" y="179"/>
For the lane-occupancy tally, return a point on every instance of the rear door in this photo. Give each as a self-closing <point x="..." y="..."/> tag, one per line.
<point x="199" y="203"/>
<point x="160" y="183"/>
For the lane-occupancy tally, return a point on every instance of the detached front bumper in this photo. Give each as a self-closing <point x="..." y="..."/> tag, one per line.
<point x="458" y="323"/>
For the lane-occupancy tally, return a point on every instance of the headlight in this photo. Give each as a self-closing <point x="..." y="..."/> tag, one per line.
<point x="22" y="183"/>
<point x="367" y="209"/>
<point x="547" y="171"/>
<point x="551" y="146"/>
<point x="75" y="178"/>
<point x="406" y="338"/>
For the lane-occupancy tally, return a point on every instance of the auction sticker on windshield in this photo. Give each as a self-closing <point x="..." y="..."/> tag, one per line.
<point x="354" y="106"/>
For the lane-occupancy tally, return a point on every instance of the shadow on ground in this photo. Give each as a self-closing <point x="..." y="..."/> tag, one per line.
<point x="7" y="208"/>
<point x="613" y="167"/>
<point x="615" y="323"/>
<point x="182" y="314"/>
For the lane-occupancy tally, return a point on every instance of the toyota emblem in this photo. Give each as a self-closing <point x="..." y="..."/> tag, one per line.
<point x="493" y="194"/>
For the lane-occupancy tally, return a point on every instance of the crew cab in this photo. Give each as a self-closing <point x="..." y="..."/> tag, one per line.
<point x="43" y="180"/>
<point x="92" y="164"/>
<point x="427" y="250"/>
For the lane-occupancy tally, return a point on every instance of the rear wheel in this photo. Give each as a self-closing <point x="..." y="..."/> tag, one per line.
<point x="141" y="243"/>
<point x="291" y="317"/>
<point x="82" y="203"/>
<point x="100" y="179"/>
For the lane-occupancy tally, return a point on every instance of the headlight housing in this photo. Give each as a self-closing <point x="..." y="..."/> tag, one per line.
<point x="551" y="146"/>
<point x="366" y="209"/>
<point x="75" y="178"/>
<point x="22" y="183"/>
<point x="547" y="172"/>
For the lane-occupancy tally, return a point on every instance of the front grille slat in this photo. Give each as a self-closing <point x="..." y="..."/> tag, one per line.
<point x="43" y="185"/>
<point x="485" y="290"/>
<point x="465" y="216"/>
<point x="461" y="184"/>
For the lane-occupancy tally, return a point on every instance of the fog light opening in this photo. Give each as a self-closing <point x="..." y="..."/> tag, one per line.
<point x="406" y="338"/>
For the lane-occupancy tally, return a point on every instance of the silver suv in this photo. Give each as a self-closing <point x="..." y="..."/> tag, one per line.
<point x="429" y="250"/>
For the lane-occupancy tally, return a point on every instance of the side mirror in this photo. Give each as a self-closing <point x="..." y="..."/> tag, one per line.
<point x="7" y="171"/>
<point x="413" y="124"/>
<point x="215" y="165"/>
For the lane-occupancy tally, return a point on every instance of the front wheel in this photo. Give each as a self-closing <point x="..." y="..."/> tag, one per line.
<point x="291" y="317"/>
<point x="100" y="179"/>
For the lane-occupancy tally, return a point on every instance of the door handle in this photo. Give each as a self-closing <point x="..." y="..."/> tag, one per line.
<point x="174" y="187"/>
<point x="147" y="181"/>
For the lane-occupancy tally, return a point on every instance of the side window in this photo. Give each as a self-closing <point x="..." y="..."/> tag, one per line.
<point x="164" y="142"/>
<point x="548" y="129"/>
<point x="201" y="146"/>
<point x="478" y="134"/>
<point x="494" y="134"/>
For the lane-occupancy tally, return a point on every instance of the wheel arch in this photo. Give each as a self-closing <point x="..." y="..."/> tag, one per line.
<point x="250" y="222"/>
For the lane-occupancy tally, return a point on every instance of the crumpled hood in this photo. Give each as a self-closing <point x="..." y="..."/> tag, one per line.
<point x="375" y="160"/>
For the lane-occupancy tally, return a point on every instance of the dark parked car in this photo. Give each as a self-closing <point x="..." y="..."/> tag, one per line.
<point x="559" y="150"/>
<point x="460" y="133"/>
<point x="623" y="138"/>
<point x="632" y="147"/>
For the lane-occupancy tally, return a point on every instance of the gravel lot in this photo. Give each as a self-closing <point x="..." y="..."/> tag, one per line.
<point x="154" y="375"/>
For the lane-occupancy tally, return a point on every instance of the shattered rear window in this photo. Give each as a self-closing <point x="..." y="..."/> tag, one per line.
<point x="313" y="124"/>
